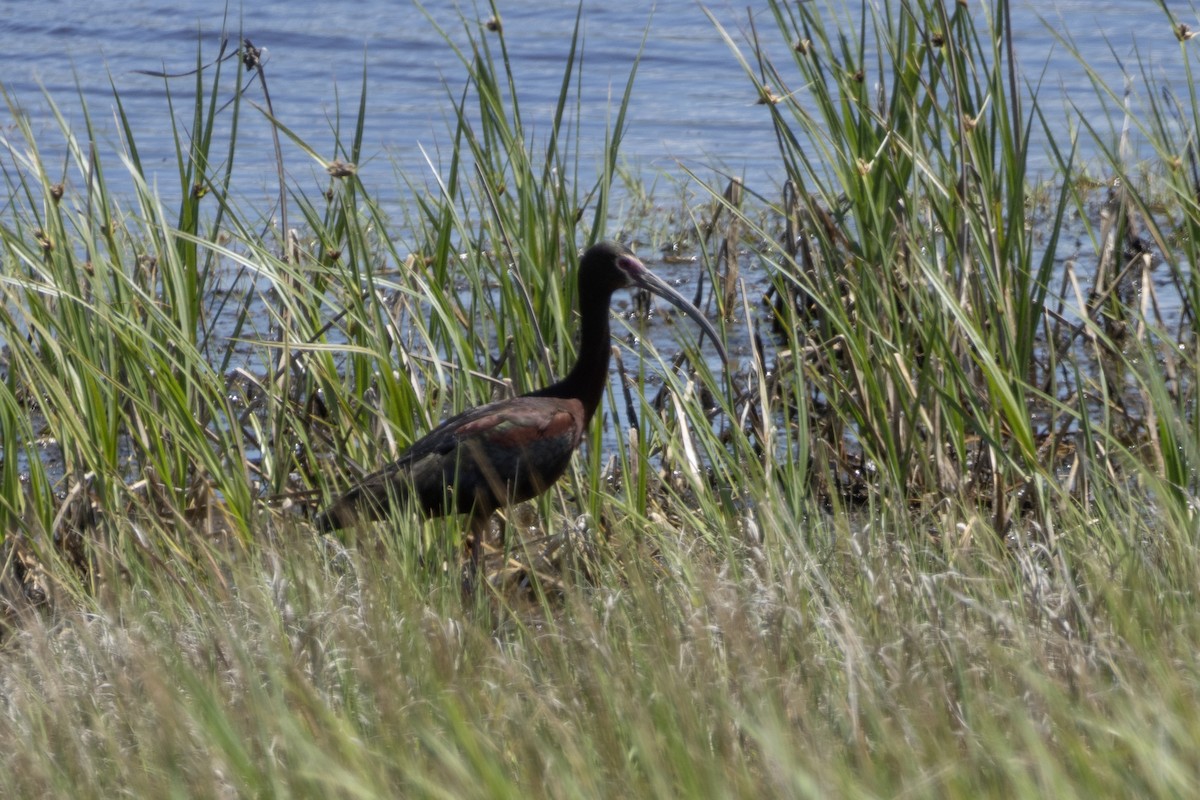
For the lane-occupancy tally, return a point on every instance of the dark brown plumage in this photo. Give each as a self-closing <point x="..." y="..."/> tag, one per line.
<point x="511" y="450"/>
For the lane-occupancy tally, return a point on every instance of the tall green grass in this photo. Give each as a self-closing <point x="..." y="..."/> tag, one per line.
<point x="933" y="534"/>
<point x="915" y="265"/>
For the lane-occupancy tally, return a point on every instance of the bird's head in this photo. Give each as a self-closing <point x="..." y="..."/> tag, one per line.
<point x="609" y="266"/>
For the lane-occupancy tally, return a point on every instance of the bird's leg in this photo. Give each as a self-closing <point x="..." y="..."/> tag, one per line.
<point x="474" y="546"/>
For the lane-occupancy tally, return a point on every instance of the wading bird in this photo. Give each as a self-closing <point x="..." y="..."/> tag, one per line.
<point x="511" y="450"/>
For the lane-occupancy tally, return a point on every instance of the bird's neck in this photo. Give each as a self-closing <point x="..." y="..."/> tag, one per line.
<point x="588" y="378"/>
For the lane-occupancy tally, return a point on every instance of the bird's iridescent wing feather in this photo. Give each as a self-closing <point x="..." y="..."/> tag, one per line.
<point x="484" y="458"/>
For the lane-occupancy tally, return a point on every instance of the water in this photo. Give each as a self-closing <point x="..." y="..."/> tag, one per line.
<point x="692" y="105"/>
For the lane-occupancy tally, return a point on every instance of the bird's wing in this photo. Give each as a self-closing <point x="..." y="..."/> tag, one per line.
<point x="478" y="460"/>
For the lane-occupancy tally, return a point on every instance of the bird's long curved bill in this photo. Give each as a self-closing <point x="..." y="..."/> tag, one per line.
<point x="652" y="283"/>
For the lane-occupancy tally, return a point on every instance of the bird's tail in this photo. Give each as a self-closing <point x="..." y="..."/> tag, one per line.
<point x="339" y="515"/>
<point x="369" y="500"/>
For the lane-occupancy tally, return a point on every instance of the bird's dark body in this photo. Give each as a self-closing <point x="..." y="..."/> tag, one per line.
<point x="473" y="463"/>
<point x="511" y="450"/>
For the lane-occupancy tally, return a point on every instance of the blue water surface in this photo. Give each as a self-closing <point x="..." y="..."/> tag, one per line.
<point x="692" y="107"/>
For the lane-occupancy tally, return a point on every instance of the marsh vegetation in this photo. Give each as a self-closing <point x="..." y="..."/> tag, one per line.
<point x="932" y="533"/>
